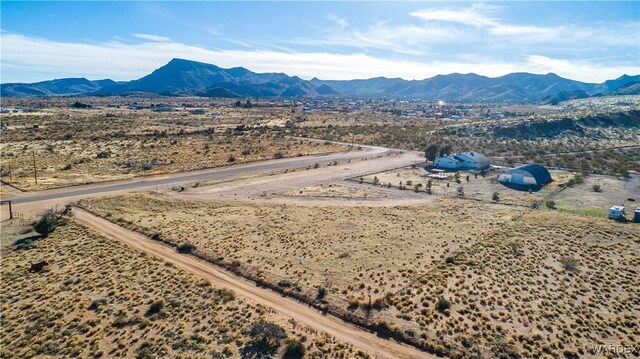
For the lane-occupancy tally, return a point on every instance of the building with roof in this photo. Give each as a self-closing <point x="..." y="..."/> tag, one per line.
<point x="463" y="161"/>
<point x="524" y="178"/>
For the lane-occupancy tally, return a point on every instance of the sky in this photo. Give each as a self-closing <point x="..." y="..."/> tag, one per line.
<point x="586" y="41"/>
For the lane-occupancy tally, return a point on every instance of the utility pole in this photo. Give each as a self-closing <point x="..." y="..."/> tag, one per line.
<point x="35" y="171"/>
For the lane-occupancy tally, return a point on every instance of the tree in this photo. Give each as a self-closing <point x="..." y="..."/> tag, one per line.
<point x="495" y="197"/>
<point x="50" y="220"/>
<point x="431" y="152"/>
<point x="596" y="188"/>
<point x="322" y="292"/>
<point x="445" y="150"/>
<point x="460" y="191"/>
<point x="266" y="336"/>
<point x="294" y="349"/>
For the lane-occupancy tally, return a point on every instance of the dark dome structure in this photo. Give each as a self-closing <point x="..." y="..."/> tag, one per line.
<point x="524" y="178"/>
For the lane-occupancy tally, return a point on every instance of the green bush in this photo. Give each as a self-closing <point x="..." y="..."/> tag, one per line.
<point x="50" y="220"/>
<point x="322" y="292"/>
<point x="266" y="336"/>
<point x="186" y="248"/>
<point x="294" y="349"/>
<point x="155" y="307"/>
<point x="442" y="305"/>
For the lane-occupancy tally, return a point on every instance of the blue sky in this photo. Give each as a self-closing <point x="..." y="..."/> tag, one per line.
<point x="588" y="41"/>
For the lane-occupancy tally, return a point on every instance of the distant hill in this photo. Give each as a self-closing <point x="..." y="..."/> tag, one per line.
<point x="182" y="77"/>
<point x="69" y="86"/>
<point x="473" y="87"/>
<point x="632" y="88"/>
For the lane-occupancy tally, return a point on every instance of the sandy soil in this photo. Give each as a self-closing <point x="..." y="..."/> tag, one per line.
<point x="52" y="313"/>
<point x="299" y="312"/>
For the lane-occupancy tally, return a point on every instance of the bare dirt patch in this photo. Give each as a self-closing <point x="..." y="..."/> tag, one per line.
<point x="335" y="191"/>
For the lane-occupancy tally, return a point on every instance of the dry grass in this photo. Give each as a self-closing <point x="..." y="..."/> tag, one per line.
<point x="335" y="191"/>
<point x="519" y="281"/>
<point x="102" y="299"/>
<point x="546" y="285"/>
<point x="350" y="251"/>
<point x="122" y="149"/>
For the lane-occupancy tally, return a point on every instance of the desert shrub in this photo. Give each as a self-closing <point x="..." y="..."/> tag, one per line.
<point x="231" y="159"/>
<point x="146" y="165"/>
<point x="96" y="303"/>
<point x="103" y="154"/>
<point x="322" y="292"/>
<point x="503" y="349"/>
<point x="155" y="307"/>
<point x="50" y="220"/>
<point x="144" y="351"/>
<point x="285" y="283"/>
<point x="570" y="264"/>
<point x="550" y="204"/>
<point x="495" y="197"/>
<point x="294" y="349"/>
<point x="460" y="191"/>
<point x="387" y="329"/>
<point x="596" y="188"/>
<point x="442" y="305"/>
<point x="226" y="295"/>
<point x="278" y="155"/>
<point x="266" y="336"/>
<point x="186" y="248"/>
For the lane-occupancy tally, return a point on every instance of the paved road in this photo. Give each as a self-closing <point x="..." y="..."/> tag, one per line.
<point x="302" y="313"/>
<point x="196" y="176"/>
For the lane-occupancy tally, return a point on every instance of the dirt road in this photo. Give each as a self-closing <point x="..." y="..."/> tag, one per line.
<point x="382" y="348"/>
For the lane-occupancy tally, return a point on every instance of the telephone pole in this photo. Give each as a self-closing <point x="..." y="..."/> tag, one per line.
<point x="35" y="171"/>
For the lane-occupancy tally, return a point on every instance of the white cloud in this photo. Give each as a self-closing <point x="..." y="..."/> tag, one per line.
<point x="468" y="16"/>
<point x="481" y="16"/>
<point x="341" y="22"/>
<point x="484" y="18"/>
<point x="27" y="59"/>
<point x="582" y="70"/>
<point x="154" y="38"/>
<point x="402" y="39"/>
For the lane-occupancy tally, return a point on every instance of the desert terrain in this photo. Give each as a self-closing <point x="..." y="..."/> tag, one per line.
<point x="254" y="221"/>
<point x="100" y="298"/>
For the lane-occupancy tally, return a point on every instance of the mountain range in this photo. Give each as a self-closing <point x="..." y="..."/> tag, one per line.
<point x="182" y="77"/>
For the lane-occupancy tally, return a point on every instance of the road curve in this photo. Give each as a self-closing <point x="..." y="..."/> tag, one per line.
<point x="369" y="342"/>
<point x="151" y="182"/>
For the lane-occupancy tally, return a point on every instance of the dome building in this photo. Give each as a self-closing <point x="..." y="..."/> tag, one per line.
<point x="528" y="177"/>
<point x="463" y="161"/>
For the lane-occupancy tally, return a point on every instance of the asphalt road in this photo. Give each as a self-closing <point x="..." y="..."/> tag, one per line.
<point x="151" y="182"/>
